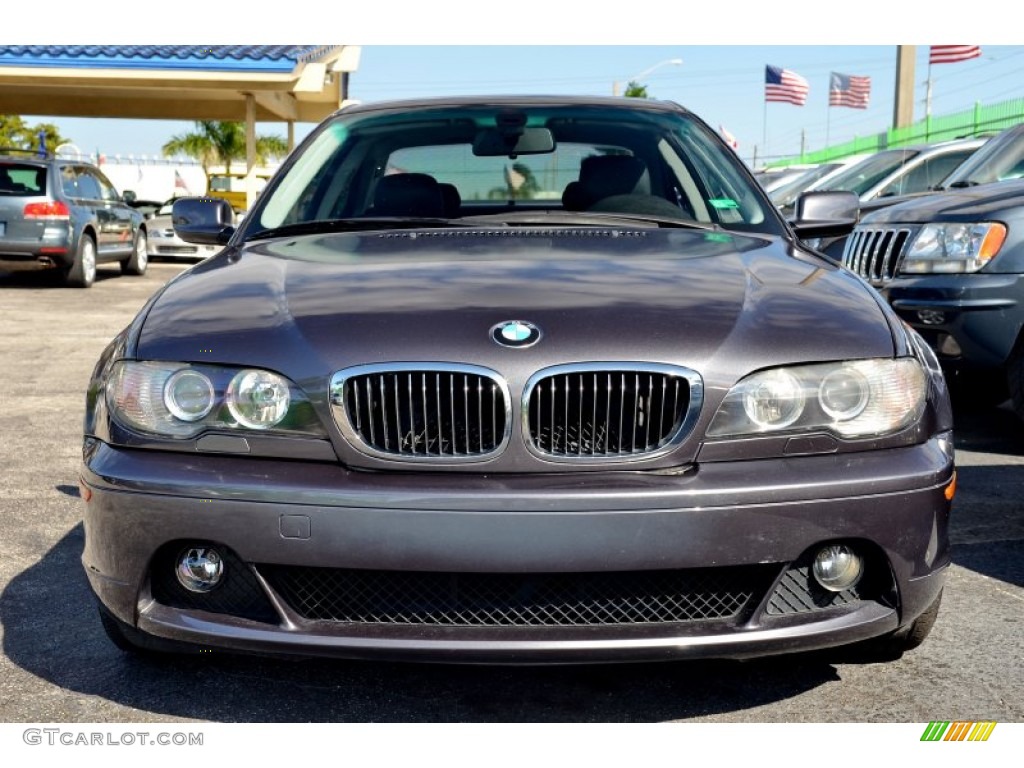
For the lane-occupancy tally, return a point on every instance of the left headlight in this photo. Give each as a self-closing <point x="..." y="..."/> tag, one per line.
<point x="953" y="247"/>
<point x="181" y="400"/>
<point x="856" y="398"/>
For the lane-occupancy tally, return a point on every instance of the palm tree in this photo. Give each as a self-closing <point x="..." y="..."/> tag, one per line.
<point x="218" y="142"/>
<point x="520" y="184"/>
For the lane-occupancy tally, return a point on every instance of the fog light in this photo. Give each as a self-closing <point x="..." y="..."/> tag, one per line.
<point x="200" y="569"/>
<point x="837" y="567"/>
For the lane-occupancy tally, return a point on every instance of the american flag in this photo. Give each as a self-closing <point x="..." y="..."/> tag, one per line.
<point x="849" y="91"/>
<point x="949" y="54"/>
<point x="782" y="85"/>
<point x="179" y="183"/>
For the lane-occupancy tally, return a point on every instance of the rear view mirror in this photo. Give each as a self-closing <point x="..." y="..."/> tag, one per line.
<point x="492" y="142"/>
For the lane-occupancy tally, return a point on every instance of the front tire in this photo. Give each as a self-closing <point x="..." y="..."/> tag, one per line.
<point x="136" y="263"/>
<point x="82" y="272"/>
<point x="891" y="647"/>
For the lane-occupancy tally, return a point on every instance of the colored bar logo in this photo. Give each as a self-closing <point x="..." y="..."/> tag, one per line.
<point x="944" y="730"/>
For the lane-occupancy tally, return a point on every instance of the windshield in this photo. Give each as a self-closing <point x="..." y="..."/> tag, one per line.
<point x="493" y="164"/>
<point x="862" y="176"/>
<point x="1000" y="159"/>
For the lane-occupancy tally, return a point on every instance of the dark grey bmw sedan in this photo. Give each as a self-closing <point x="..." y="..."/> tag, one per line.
<point x="517" y="380"/>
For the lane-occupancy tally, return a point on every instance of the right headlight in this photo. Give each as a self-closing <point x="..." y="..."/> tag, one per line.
<point x="182" y="400"/>
<point x="854" y="398"/>
<point x="953" y="247"/>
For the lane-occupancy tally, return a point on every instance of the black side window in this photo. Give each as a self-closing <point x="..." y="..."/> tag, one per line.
<point x="69" y="181"/>
<point x="107" y="191"/>
<point x="88" y="186"/>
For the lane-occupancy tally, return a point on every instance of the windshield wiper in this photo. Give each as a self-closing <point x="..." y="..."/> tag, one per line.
<point x="963" y="184"/>
<point x="359" y="224"/>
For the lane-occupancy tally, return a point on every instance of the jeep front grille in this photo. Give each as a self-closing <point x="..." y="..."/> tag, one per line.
<point x="603" y="411"/>
<point x="422" y="411"/>
<point x="876" y="253"/>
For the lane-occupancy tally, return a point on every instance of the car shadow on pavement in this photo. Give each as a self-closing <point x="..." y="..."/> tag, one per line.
<point x="987" y="523"/>
<point x="51" y="630"/>
<point x="47" y="280"/>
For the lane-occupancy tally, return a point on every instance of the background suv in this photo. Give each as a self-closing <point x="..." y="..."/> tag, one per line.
<point x="952" y="265"/>
<point x="65" y="216"/>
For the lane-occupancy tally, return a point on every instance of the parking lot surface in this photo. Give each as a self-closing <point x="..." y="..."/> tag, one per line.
<point x="58" y="666"/>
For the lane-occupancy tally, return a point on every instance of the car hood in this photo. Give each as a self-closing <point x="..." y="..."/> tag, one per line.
<point x="967" y="204"/>
<point x="721" y="304"/>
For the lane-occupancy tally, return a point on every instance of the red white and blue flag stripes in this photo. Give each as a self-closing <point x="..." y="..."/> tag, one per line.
<point x="785" y="86"/>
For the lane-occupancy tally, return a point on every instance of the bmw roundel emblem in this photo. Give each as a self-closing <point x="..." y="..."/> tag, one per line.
<point x="515" y="333"/>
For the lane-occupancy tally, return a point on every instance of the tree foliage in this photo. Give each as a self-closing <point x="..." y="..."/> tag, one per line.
<point x="219" y="142"/>
<point x="636" y="90"/>
<point x="520" y="184"/>
<point x="16" y="133"/>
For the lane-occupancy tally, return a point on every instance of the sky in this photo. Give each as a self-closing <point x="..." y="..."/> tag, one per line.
<point x="453" y="47"/>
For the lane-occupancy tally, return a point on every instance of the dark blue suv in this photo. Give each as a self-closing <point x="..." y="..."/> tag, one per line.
<point x="952" y="265"/>
<point x="65" y="216"/>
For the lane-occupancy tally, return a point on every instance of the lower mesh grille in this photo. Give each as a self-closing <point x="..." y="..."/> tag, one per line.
<point x="798" y="591"/>
<point x="511" y="600"/>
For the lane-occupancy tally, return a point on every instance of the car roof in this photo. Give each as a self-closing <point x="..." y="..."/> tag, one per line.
<point x="632" y="104"/>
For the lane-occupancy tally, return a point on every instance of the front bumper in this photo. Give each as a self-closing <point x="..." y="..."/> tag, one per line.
<point x="175" y="247"/>
<point x="717" y="516"/>
<point x="972" y="321"/>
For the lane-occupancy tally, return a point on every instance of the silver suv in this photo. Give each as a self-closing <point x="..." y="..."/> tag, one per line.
<point x="65" y="216"/>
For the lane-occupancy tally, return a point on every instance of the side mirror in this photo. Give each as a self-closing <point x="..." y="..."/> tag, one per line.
<point x="203" y="220"/>
<point x="127" y="196"/>
<point x="826" y="214"/>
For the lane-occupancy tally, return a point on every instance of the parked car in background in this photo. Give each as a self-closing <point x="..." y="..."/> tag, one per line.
<point x="772" y="178"/>
<point x="952" y="265"/>
<point x="422" y="407"/>
<point x="65" y="217"/>
<point x="928" y="165"/>
<point x="147" y="208"/>
<point x="164" y="242"/>
<point x="894" y="172"/>
<point x="785" y="195"/>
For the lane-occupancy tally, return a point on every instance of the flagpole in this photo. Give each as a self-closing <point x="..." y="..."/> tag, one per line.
<point x="764" y="137"/>
<point x="828" y="119"/>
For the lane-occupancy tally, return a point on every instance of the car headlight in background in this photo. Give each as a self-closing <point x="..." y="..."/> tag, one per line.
<point x="953" y="248"/>
<point x="856" y="398"/>
<point x="182" y="400"/>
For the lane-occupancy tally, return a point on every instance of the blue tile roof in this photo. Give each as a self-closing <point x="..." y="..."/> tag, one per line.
<point x="217" y="58"/>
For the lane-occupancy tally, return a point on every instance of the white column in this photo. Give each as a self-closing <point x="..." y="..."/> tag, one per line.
<point x="250" y="151"/>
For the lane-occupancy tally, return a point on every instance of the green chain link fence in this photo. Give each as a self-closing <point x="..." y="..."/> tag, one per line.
<point x="979" y="121"/>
